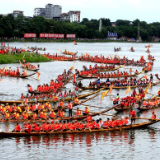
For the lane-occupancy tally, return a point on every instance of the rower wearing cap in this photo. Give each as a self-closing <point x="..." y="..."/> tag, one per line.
<point x="7" y="116"/>
<point x="86" y="112"/>
<point x="76" y="100"/>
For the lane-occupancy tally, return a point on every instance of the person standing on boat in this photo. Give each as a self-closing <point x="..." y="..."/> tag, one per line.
<point x="70" y="107"/>
<point x="133" y="115"/>
<point x="117" y="98"/>
<point x="151" y="78"/>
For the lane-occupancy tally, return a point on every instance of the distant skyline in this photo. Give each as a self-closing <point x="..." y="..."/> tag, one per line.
<point x="144" y="10"/>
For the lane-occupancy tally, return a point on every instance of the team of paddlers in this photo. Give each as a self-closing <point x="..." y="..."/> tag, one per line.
<point x="30" y="66"/>
<point x="121" y="82"/>
<point x="107" y="75"/>
<point x="58" y="58"/>
<point x="50" y="96"/>
<point x="54" y="85"/>
<point x="11" y="72"/>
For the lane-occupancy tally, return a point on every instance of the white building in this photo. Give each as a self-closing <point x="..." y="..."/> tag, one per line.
<point x="73" y="18"/>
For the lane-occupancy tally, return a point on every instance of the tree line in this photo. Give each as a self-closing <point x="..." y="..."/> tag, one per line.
<point x="16" y="27"/>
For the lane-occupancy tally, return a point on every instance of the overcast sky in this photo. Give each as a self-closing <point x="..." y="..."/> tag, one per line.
<point x="144" y="10"/>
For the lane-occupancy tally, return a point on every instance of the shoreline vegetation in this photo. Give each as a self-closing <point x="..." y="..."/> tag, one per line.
<point x="29" y="57"/>
<point x="71" y="40"/>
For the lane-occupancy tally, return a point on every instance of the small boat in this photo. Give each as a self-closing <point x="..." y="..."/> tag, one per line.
<point x="97" y="75"/>
<point x="120" y="109"/>
<point x="133" y="126"/>
<point x="147" y="108"/>
<point x="20" y="76"/>
<point x="69" y="53"/>
<point x="112" y="69"/>
<point x="115" y="87"/>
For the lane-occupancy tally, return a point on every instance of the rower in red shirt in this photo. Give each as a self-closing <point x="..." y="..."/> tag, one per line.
<point x="38" y="128"/>
<point x="153" y="115"/>
<point x="17" y="128"/>
<point x="133" y="115"/>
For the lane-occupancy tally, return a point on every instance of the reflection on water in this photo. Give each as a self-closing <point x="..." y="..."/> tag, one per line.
<point x="110" y="145"/>
<point x="132" y="144"/>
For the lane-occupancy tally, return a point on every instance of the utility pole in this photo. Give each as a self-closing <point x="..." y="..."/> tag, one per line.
<point x="100" y="24"/>
<point x="139" y="36"/>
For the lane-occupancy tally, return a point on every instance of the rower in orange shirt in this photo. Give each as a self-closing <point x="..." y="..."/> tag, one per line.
<point x="78" y="113"/>
<point x="86" y="112"/>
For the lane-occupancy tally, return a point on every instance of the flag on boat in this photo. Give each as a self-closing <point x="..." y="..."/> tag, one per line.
<point x="72" y="68"/>
<point x="128" y="89"/>
<point x="145" y="77"/>
<point x="38" y="74"/>
<point x="103" y="94"/>
<point x="146" y="90"/>
<point x="110" y="88"/>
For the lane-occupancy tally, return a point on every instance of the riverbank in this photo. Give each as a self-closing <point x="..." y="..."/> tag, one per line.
<point x="60" y="40"/>
<point x="29" y="57"/>
<point x="70" y="40"/>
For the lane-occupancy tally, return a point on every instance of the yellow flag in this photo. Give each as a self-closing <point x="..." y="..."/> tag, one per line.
<point x="128" y="89"/>
<point x="149" y="86"/>
<point x="72" y="68"/>
<point x="103" y="94"/>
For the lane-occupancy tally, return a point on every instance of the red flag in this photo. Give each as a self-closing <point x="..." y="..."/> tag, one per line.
<point x="74" y="78"/>
<point x="145" y="77"/>
<point x="38" y="75"/>
<point x="110" y="87"/>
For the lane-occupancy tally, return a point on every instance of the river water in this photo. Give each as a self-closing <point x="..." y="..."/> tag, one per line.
<point x="132" y="144"/>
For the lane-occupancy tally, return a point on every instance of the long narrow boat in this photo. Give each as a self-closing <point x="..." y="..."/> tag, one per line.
<point x="30" y="69"/>
<point x="20" y="76"/>
<point x="112" y="69"/>
<point x="115" y="87"/>
<point x="27" y="68"/>
<point x="50" y="100"/>
<point x="96" y="76"/>
<point x="134" y="126"/>
<point x="120" y="109"/>
<point x="69" y="53"/>
<point x="147" y="108"/>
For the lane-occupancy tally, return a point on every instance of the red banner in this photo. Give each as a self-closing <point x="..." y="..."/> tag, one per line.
<point x="51" y="35"/>
<point x="71" y="36"/>
<point x="30" y="35"/>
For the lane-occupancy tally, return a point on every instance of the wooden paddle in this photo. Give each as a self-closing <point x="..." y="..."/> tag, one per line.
<point x="35" y="78"/>
<point x="91" y="106"/>
<point x="101" y="111"/>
